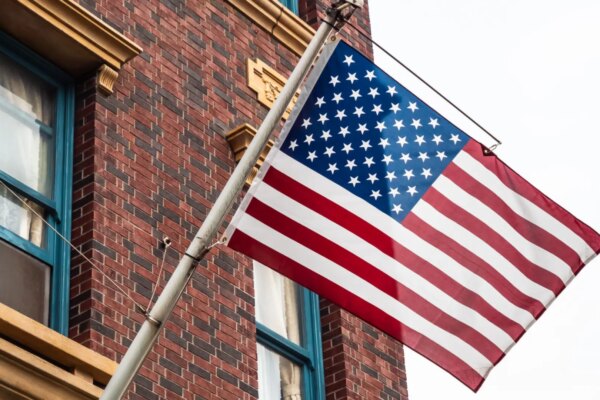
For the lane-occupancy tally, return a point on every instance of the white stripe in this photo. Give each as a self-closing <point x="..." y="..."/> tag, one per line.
<point x="400" y="234"/>
<point x="523" y="206"/>
<point x="341" y="277"/>
<point x="483" y="250"/>
<point x="388" y="265"/>
<point x="532" y="252"/>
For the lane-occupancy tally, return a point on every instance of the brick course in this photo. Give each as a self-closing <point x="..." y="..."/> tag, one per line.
<point x="150" y="161"/>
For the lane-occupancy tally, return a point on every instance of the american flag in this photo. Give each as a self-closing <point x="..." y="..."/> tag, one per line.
<point x="375" y="201"/>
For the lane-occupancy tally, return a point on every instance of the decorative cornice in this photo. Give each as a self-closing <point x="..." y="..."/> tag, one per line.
<point x="267" y="83"/>
<point x="273" y="17"/>
<point x="66" y="34"/>
<point x="239" y="139"/>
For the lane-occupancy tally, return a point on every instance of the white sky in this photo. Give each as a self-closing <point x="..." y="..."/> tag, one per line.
<point x="529" y="72"/>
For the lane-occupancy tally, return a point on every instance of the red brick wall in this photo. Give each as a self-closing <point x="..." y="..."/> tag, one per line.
<point x="149" y="162"/>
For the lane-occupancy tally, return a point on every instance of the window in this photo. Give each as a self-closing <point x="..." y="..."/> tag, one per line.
<point x="290" y="362"/>
<point x="291" y="4"/>
<point x="36" y="113"/>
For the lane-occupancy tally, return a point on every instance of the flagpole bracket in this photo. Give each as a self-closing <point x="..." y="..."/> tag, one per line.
<point x="342" y="10"/>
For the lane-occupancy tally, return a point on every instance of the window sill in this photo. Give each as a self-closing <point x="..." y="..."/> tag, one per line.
<point x="37" y="362"/>
<point x="293" y="32"/>
<point x="80" y="43"/>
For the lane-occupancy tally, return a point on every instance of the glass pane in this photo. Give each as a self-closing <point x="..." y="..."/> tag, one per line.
<point x="278" y="377"/>
<point x="24" y="283"/>
<point x="20" y="220"/>
<point x="278" y="303"/>
<point x="27" y="106"/>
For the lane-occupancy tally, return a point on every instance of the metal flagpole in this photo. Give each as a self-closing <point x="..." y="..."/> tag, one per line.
<point x="156" y="318"/>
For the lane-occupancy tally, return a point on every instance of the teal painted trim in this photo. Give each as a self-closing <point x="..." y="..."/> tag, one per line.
<point x="48" y="204"/>
<point x="41" y="253"/>
<point x="57" y="254"/>
<point x="310" y="354"/>
<point x="291" y="4"/>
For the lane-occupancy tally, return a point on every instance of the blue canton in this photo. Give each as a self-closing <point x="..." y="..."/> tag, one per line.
<point x="370" y="135"/>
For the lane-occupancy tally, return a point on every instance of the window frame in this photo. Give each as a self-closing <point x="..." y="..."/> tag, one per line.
<point x="58" y="209"/>
<point x="309" y="356"/>
<point x="292" y="5"/>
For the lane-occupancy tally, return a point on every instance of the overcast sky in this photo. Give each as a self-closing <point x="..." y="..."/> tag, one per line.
<point x="529" y="72"/>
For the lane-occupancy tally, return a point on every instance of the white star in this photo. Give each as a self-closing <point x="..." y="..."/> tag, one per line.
<point x="356" y="94"/>
<point x="309" y="139"/>
<point x="377" y="109"/>
<point x="334" y="80"/>
<point x="375" y="194"/>
<point x="350" y="164"/>
<point x="347" y="147"/>
<point x="354" y="181"/>
<point x="358" y="111"/>
<point x="454" y="138"/>
<point x="437" y="139"/>
<point x="408" y="173"/>
<point x="337" y="97"/>
<point x="433" y="122"/>
<point x="384" y="142"/>
<point x="370" y="75"/>
<point x="348" y="60"/>
<point x="395" y="107"/>
<point x="344" y="131"/>
<point x="362" y="128"/>
<point x="341" y="114"/>
<point x="329" y="151"/>
<point x="306" y="123"/>
<point x="374" y="92"/>
<point x="394" y="192"/>
<point x="420" y="139"/>
<point x="423" y="156"/>
<point x="401" y="141"/>
<point x="416" y="123"/>
<point x="412" y="190"/>
<point x="391" y="175"/>
<point x="398" y="124"/>
<point x="397" y="208"/>
<point x="380" y="126"/>
<point x="405" y="157"/>
<point x="332" y="168"/>
<point x="293" y="144"/>
<point x="325" y="135"/>
<point x="412" y="106"/>
<point x="391" y="90"/>
<point x="323" y="118"/>
<point x="312" y="155"/>
<point x="387" y="159"/>
<point x="441" y="155"/>
<point x="320" y="101"/>
<point x="372" y="178"/>
<point x="426" y="172"/>
<point x="351" y="78"/>
<point x="366" y="145"/>
<point x="369" y="161"/>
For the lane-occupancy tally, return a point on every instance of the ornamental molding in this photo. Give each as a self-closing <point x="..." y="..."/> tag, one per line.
<point x="68" y="35"/>
<point x="239" y="139"/>
<point x="278" y="20"/>
<point x="268" y="83"/>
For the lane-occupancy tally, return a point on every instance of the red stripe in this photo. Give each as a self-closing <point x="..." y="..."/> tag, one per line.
<point x="529" y="231"/>
<point x="353" y="303"/>
<point x="340" y="256"/>
<point x="516" y="183"/>
<point x="473" y="263"/>
<point x="385" y="244"/>
<point x="493" y="239"/>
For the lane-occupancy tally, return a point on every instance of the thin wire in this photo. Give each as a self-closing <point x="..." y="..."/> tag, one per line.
<point x="160" y="271"/>
<point x="367" y="37"/>
<point x="72" y="246"/>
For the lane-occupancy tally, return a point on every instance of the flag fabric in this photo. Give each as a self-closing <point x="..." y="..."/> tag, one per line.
<point x="375" y="201"/>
